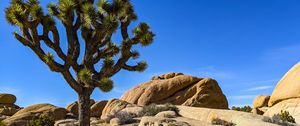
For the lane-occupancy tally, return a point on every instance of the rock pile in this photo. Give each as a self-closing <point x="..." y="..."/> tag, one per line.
<point x="178" y="89"/>
<point x="25" y="115"/>
<point x="260" y="104"/>
<point x="285" y="96"/>
<point x="96" y="108"/>
<point x="7" y="105"/>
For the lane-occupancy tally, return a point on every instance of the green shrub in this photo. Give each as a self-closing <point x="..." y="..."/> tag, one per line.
<point x="153" y="109"/>
<point x="285" y="116"/>
<point x="41" y="121"/>
<point x="218" y="121"/>
<point x="243" y="109"/>
<point x="124" y="117"/>
<point x="171" y="124"/>
<point x="283" y="119"/>
<point x="2" y="123"/>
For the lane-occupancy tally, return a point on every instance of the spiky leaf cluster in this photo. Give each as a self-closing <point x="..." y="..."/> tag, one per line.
<point x="85" y="75"/>
<point x="141" y="66"/>
<point x="20" y="12"/>
<point x="143" y="34"/>
<point x="48" y="57"/>
<point x="105" y="84"/>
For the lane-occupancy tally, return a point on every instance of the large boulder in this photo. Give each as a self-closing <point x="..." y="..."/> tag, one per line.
<point x="178" y="89"/>
<point x="7" y="106"/>
<point x="8" y="109"/>
<point x="73" y="107"/>
<point x="288" y="87"/>
<point x="236" y="117"/>
<point x="114" y="106"/>
<point x="97" y="108"/>
<point x="7" y="99"/>
<point x="259" y="103"/>
<point x="22" y="117"/>
<point x="290" y="105"/>
<point x="159" y="121"/>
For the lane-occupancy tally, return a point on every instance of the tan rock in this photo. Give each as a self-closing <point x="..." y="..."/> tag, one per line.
<point x="113" y="106"/>
<point x="288" y="87"/>
<point x="134" y="111"/>
<point x="290" y="105"/>
<point x="7" y="99"/>
<point x="8" y="111"/>
<point x="166" y="76"/>
<point x="166" y="114"/>
<point x="66" y="122"/>
<point x="179" y="90"/>
<point x="236" y="117"/>
<point x="261" y="101"/>
<point x="97" y="108"/>
<point x="169" y="75"/>
<point x="257" y="111"/>
<point x="155" y="78"/>
<point x="26" y="114"/>
<point x="158" y="121"/>
<point x="73" y="107"/>
<point x="115" y="122"/>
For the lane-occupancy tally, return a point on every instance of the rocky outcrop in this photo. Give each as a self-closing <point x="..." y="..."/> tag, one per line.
<point x="22" y="117"/>
<point x="166" y="114"/>
<point x="178" y="89"/>
<point x="97" y="108"/>
<point x="236" y="117"/>
<point x="288" y="87"/>
<point x="259" y="103"/>
<point x="286" y="95"/>
<point x="158" y="121"/>
<point x="290" y="105"/>
<point x="7" y="99"/>
<point x="73" y="107"/>
<point x="7" y="105"/>
<point x="113" y="106"/>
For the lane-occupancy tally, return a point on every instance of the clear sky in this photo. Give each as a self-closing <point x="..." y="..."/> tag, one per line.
<point x="246" y="45"/>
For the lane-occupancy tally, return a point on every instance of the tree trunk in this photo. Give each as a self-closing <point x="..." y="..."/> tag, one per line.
<point x="84" y="108"/>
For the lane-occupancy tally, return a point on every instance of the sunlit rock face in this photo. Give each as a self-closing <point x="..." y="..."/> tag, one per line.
<point x="288" y="87"/>
<point x="178" y="89"/>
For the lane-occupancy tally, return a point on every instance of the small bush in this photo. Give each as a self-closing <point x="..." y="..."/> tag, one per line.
<point x="243" y="109"/>
<point x="218" y="121"/>
<point x="2" y="123"/>
<point x="285" y="116"/>
<point x="41" y="121"/>
<point x="171" y="124"/>
<point x="153" y="109"/>
<point x="124" y="117"/>
<point x="283" y="119"/>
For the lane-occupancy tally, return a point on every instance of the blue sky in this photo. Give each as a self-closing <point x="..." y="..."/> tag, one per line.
<point x="246" y="45"/>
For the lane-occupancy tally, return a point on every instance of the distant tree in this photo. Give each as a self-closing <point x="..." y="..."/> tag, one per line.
<point x="243" y="109"/>
<point x="89" y="27"/>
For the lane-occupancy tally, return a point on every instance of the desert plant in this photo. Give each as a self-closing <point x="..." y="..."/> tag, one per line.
<point x="41" y="121"/>
<point x="243" y="109"/>
<point x="153" y="109"/>
<point x="171" y="124"/>
<point x="89" y="27"/>
<point x="124" y="117"/>
<point x="217" y="121"/>
<point x="2" y="123"/>
<point x="283" y="118"/>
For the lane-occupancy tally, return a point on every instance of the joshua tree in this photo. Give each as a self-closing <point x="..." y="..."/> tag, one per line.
<point x="89" y="27"/>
